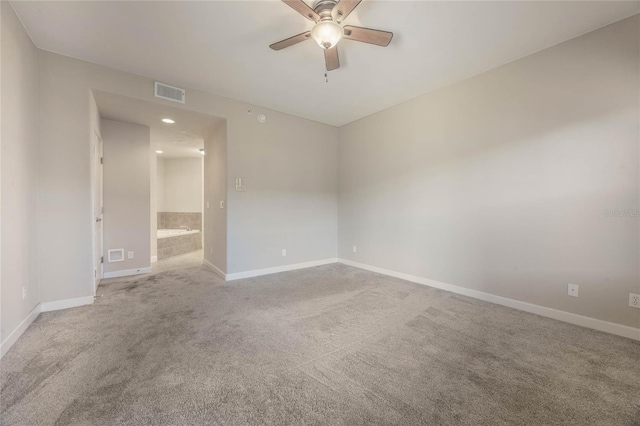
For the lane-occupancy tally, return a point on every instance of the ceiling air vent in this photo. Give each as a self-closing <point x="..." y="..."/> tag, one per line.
<point x="169" y="93"/>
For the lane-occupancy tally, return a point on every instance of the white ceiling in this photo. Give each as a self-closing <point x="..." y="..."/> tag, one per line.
<point x="183" y="139"/>
<point x="222" y="46"/>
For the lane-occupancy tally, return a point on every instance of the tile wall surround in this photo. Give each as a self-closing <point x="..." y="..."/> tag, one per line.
<point x="172" y="220"/>
<point x="179" y="244"/>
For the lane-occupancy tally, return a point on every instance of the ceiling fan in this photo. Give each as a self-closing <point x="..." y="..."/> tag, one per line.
<point x="327" y="32"/>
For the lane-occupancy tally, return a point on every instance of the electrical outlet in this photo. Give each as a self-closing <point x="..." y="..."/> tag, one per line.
<point x="573" y="290"/>
<point x="355" y="249"/>
<point x="24" y="293"/>
<point x="284" y="252"/>
<point x="634" y="300"/>
<point x="130" y="255"/>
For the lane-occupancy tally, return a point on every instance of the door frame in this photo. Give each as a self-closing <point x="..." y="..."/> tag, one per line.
<point x="97" y="214"/>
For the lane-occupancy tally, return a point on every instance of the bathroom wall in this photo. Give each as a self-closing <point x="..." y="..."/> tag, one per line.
<point x="173" y="220"/>
<point x="180" y="185"/>
<point x="127" y="191"/>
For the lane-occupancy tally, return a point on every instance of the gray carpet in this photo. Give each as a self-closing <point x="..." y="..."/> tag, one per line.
<point x="325" y="345"/>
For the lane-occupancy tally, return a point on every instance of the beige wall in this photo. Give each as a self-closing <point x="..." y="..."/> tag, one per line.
<point x="18" y="172"/>
<point x="214" y="218"/>
<point x="500" y="183"/>
<point x="290" y="164"/>
<point x="180" y="185"/>
<point x="290" y="168"/>
<point x="127" y="193"/>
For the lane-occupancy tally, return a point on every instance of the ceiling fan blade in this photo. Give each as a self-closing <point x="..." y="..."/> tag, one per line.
<point x="367" y="35"/>
<point x="344" y="7"/>
<point x="303" y="9"/>
<point x="331" y="58"/>
<point x="291" y="41"/>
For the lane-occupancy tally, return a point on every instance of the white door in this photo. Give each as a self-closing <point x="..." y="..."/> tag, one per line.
<point x="97" y="209"/>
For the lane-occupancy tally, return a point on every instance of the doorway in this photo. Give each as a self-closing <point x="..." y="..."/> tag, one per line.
<point x="175" y="227"/>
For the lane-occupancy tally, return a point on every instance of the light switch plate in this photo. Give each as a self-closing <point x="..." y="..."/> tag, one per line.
<point x="240" y="184"/>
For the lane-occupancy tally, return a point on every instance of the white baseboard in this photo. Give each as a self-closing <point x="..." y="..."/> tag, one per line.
<point x="56" y="305"/>
<point x="214" y="268"/>
<point x="596" y="324"/>
<point x="15" y="334"/>
<point x="41" y="307"/>
<point x="274" y="270"/>
<point x="127" y="272"/>
<point x="154" y="259"/>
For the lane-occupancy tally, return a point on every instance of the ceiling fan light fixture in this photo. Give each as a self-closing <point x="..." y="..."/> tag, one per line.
<point x="327" y="34"/>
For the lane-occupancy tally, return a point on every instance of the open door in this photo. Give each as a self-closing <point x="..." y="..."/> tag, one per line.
<point x="97" y="208"/>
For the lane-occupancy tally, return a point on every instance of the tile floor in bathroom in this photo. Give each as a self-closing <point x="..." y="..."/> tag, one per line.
<point x="187" y="260"/>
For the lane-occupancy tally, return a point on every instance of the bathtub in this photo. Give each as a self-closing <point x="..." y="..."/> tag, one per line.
<point x="174" y="242"/>
<point x="165" y="233"/>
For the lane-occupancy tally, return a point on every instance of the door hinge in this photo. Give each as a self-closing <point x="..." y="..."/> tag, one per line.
<point x="101" y="259"/>
<point x="101" y="160"/>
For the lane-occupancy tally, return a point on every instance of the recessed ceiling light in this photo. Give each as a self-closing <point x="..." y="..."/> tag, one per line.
<point x="158" y="152"/>
<point x="168" y="121"/>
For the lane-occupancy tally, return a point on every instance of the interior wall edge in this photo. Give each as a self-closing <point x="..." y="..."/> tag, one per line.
<point x="214" y="268"/>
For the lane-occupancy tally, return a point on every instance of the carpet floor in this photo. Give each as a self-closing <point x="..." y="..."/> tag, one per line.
<point x="326" y="345"/>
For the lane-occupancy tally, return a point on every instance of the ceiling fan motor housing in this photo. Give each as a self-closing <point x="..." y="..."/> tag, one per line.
<point x="324" y="8"/>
